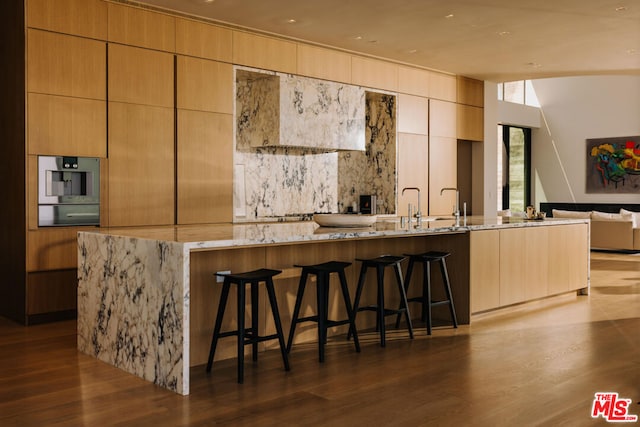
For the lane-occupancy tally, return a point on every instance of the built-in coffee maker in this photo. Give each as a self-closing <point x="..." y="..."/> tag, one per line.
<point x="68" y="191"/>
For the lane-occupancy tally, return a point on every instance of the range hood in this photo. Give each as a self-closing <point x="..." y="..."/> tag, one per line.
<point x="284" y="110"/>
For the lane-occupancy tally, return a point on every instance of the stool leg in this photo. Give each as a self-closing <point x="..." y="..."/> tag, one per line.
<point x="296" y="309"/>
<point x="241" y="308"/>
<point x="216" y="329"/>
<point x="425" y="290"/>
<point x="276" y="319"/>
<point x="254" y="321"/>
<point x="407" y="282"/>
<point x="426" y="295"/>
<point x="321" y="300"/>
<point x="356" y="302"/>
<point x="380" y="311"/>
<point x="403" y="296"/>
<point x="447" y="284"/>
<point x="350" y="312"/>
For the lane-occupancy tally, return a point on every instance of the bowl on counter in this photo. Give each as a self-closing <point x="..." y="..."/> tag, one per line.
<point x="344" y="220"/>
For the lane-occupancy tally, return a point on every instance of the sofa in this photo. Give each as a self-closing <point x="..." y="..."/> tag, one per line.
<point x="609" y="230"/>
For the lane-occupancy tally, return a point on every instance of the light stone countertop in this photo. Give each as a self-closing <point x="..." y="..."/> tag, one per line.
<point x="217" y="236"/>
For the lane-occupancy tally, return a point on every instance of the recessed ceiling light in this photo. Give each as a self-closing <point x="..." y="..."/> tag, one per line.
<point x="534" y="64"/>
<point x="412" y="51"/>
<point x="621" y="8"/>
<point x="208" y="1"/>
<point x="633" y="51"/>
<point x="449" y="16"/>
<point x="357" y="37"/>
<point x="291" y="21"/>
<point x="504" y="33"/>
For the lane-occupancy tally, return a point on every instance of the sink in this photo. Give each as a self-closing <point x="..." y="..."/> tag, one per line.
<point x="345" y="220"/>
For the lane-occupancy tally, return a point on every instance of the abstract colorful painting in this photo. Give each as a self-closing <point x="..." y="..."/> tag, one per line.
<point x="613" y="165"/>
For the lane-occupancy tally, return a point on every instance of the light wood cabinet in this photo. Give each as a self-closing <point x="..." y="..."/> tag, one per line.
<point x="413" y="81"/>
<point x="470" y="123"/>
<point x="374" y="73"/>
<point x="65" y="65"/>
<point x="203" y="40"/>
<point x="536" y="262"/>
<point x="141" y="165"/>
<point x="510" y="266"/>
<point x="204" y="85"/>
<point x="52" y="249"/>
<point x="442" y="118"/>
<point x="512" y="259"/>
<point x="442" y="86"/>
<point x="205" y="167"/>
<point x="60" y="125"/>
<point x="567" y="271"/>
<point x="140" y="76"/>
<point x="484" y="270"/>
<point x="51" y="292"/>
<point x="413" y="171"/>
<point x="138" y="27"/>
<point x="413" y="114"/>
<point x="443" y="162"/>
<point x="87" y="18"/>
<point x="324" y="63"/>
<point x="470" y="91"/>
<point x="264" y="52"/>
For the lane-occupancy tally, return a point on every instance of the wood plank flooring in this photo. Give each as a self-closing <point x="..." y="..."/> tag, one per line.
<point x="533" y="364"/>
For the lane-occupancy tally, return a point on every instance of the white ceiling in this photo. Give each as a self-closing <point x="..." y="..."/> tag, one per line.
<point x="496" y="40"/>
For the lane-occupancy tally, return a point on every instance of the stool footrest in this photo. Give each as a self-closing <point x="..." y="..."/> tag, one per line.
<point x="329" y="323"/>
<point x="250" y="338"/>
<point x="387" y="311"/>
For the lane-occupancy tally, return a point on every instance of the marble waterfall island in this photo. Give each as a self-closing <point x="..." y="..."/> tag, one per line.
<point x="133" y="306"/>
<point x="147" y="297"/>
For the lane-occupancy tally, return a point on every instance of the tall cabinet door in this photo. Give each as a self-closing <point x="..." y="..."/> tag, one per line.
<point x="443" y="157"/>
<point x="141" y="144"/>
<point x="141" y="165"/>
<point x="205" y="167"/>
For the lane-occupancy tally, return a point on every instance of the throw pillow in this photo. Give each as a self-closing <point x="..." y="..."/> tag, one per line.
<point x="606" y="216"/>
<point x="635" y="217"/>
<point x="558" y="213"/>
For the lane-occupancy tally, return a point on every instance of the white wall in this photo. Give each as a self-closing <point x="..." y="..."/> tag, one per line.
<point x="489" y="205"/>
<point x="575" y="109"/>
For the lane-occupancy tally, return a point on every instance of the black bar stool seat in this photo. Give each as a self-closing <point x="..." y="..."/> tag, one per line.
<point x="250" y="335"/>
<point x="380" y="263"/>
<point x="322" y="273"/>
<point x="426" y="259"/>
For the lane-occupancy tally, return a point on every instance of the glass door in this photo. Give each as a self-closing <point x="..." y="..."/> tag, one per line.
<point x="514" y="165"/>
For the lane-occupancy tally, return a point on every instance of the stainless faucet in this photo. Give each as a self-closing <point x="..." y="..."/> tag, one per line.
<point x="418" y="212"/>
<point x="456" y="209"/>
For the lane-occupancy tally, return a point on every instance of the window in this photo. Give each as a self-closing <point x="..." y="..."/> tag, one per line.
<point x="519" y="92"/>
<point x="514" y="165"/>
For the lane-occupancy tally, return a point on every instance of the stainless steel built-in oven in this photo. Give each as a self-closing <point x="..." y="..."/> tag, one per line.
<point x="68" y="191"/>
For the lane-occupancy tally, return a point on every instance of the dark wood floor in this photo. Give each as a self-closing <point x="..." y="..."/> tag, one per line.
<point x="534" y="364"/>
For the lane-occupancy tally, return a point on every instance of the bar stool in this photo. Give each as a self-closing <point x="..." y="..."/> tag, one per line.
<point x="380" y="263"/>
<point x="323" y="272"/>
<point x="425" y="299"/>
<point x="250" y="335"/>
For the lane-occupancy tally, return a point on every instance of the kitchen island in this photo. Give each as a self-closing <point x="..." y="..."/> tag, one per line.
<point x="147" y="296"/>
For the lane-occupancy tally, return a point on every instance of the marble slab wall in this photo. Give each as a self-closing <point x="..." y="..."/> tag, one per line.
<point x="133" y="306"/>
<point x="276" y="182"/>
<point x="374" y="171"/>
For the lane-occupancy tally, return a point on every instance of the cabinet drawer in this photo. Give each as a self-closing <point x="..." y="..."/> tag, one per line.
<point x="52" y="249"/>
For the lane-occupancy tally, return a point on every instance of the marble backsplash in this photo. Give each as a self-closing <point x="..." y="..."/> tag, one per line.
<point x="282" y="181"/>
